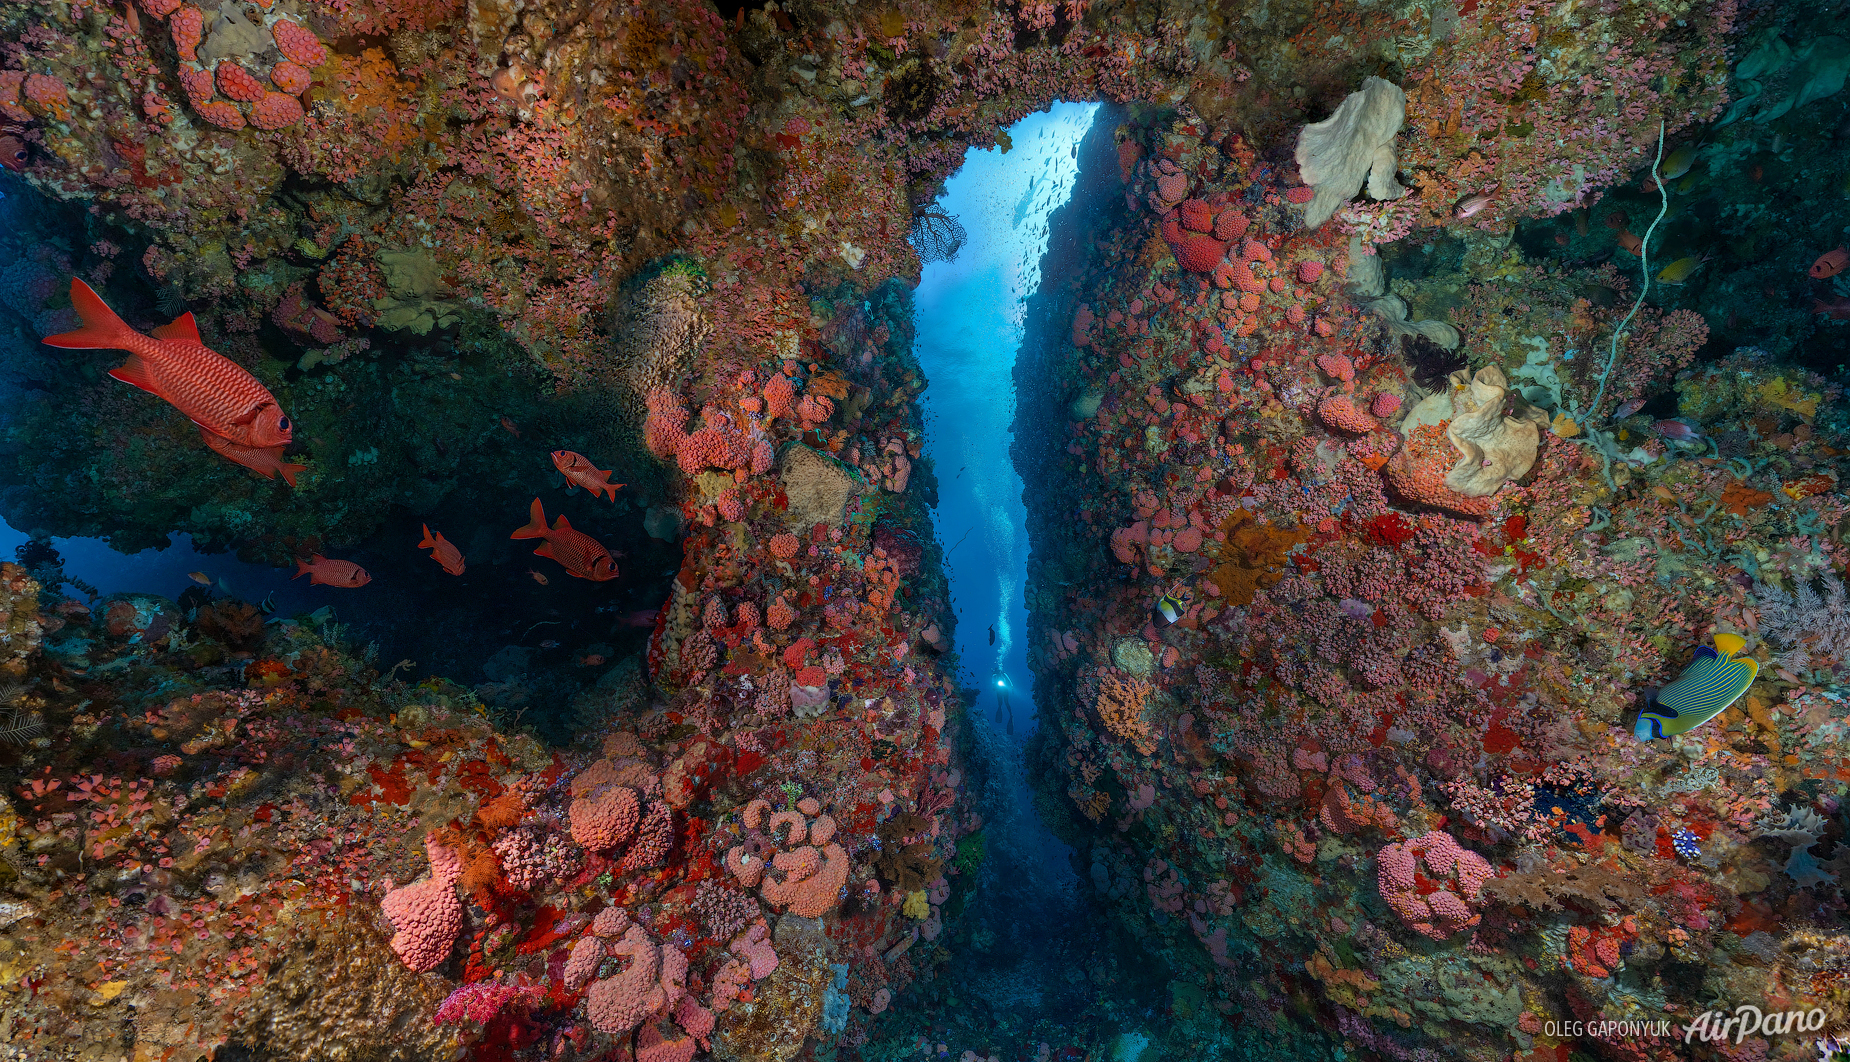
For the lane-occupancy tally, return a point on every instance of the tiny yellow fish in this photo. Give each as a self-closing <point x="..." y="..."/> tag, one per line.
<point x="1679" y="271"/>
<point x="200" y="577"/>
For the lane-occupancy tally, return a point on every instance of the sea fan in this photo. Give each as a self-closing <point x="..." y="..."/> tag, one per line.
<point x="937" y="235"/>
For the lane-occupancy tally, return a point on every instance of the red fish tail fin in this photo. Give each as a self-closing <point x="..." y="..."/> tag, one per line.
<point x="102" y="329"/>
<point x="612" y="488"/>
<point x="289" y="471"/>
<point x="302" y="568"/>
<point x="428" y="542"/>
<point x="536" y="525"/>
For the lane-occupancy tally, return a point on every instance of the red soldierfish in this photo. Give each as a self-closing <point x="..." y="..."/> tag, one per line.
<point x="1476" y="203"/>
<point x="327" y="572"/>
<point x="175" y="365"/>
<point x="579" y="473"/>
<point x="266" y="461"/>
<point x="1676" y="431"/>
<point x="443" y="551"/>
<point x="1831" y="263"/>
<point x="13" y="150"/>
<point x="1838" y="310"/>
<point x="578" y="553"/>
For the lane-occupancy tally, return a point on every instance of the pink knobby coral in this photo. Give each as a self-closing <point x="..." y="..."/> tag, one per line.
<point x="751" y="946"/>
<point x="426" y="914"/>
<point x="1336" y="366"/>
<point x="809" y="895"/>
<point x="605" y="817"/>
<point x="780" y="615"/>
<point x="779" y="394"/>
<point x="784" y="545"/>
<point x="188" y="28"/>
<point x="653" y="839"/>
<point x="276" y="110"/>
<point x="582" y="965"/>
<point x="1339" y="412"/>
<point x="1231" y="225"/>
<point x="298" y="44"/>
<point x="1438" y="913"/>
<point x="1194" y="251"/>
<point x="1196" y="217"/>
<point x="1172" y="187"/>
<point x="616" y="1005"/>
<point x="731" y="505"/>
<point x="222" y="113"/>
<point x="292" y="78"/>
<point x="666" y="426"/>
<point x="238" y="83"/>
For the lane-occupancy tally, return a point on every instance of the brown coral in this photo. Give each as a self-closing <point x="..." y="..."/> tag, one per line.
<point x="234" y="624"/>
<point x="1252" y="557"/>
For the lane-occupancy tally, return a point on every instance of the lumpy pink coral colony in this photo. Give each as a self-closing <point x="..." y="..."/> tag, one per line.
<point x="1368" y="781"/>
<point x="427" y="915"/>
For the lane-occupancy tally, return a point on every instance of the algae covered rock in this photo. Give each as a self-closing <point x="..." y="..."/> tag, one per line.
<point x="19" y="619"/>
<point x="786" y="1005"/>
<point x="817" y="486"/>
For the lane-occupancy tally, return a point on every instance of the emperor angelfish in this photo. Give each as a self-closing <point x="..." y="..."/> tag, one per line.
<point x="1712" y="682"/>
<point x="1168" y="610"/>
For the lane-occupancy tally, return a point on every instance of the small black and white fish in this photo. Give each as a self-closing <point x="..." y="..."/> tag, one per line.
<point x="1169" y="609"/>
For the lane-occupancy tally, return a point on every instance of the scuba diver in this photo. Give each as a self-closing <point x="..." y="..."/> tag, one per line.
<point x="992" y="635"/>
<point x="1002" y="701"/>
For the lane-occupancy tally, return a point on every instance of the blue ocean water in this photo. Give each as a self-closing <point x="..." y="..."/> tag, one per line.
<point x="969" y="320"/>
<point x="1024" y="930"/>
<point x="166" y="571"/>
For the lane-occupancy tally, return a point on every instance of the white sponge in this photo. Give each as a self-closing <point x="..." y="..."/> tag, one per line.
<point x="1334" y="155"/>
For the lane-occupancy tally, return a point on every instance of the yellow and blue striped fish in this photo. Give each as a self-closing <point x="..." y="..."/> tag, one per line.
<point x="1712" y="682"/>
<point x="1169" y="609"/>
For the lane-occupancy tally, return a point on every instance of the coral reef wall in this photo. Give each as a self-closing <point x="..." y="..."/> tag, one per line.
<point x="1433" y="536"/>
<point x="1376" y="782"/>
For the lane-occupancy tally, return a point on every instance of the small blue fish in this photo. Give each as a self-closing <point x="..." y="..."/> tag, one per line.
<point x="1676" y="431"/>
<point x="1714" y="680"/>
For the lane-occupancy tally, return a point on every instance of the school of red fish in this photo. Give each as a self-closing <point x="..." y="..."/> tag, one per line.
<point x="241" y="421"/>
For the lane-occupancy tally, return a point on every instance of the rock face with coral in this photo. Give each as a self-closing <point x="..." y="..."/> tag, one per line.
<point x="1372" y="495"/>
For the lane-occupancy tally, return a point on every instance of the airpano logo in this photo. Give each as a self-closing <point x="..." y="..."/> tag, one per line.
<point x="1716" y="1026"/>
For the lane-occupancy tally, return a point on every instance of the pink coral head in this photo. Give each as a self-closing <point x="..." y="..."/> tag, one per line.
<point x="1196" y="216"/>
<point x="1385" y="404"/>
<point x="426" y="914"/>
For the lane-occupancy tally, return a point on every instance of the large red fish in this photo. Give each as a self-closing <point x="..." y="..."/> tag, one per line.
<point x="579" y="473"/>
<point x="175" y="365"/>
<point x="266" y="461"/>
<point x="442" y="550"/>
<point x="578" y="553"/>
<point x="327" y="572"/>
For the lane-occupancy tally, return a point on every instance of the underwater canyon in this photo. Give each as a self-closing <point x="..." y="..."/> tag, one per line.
<point x="919" y="529"/>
